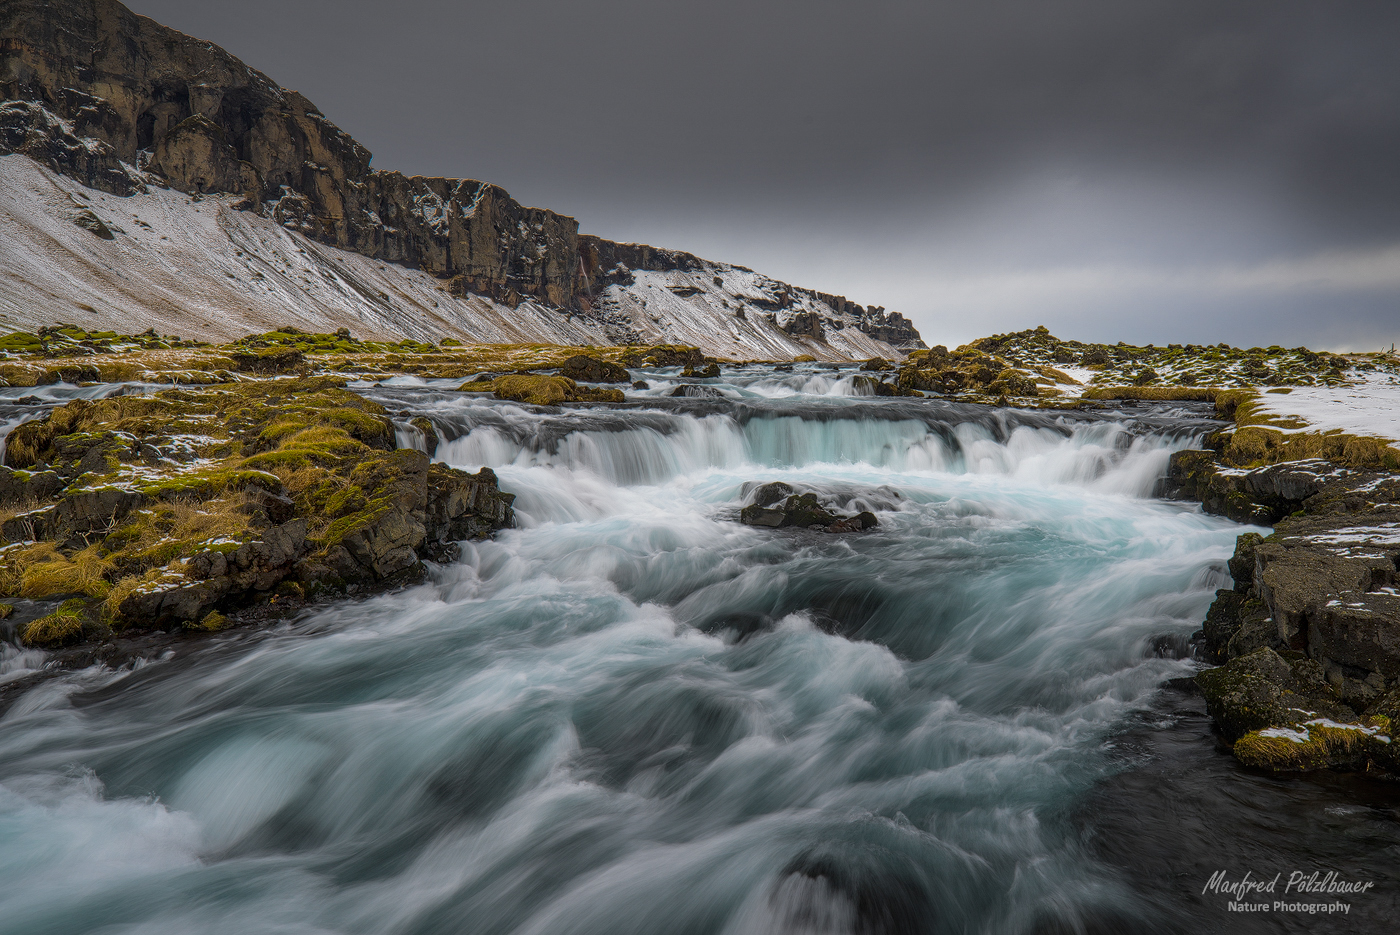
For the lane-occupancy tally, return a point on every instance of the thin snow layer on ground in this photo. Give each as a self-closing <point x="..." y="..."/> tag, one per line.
<point x="201" y="269"/>
<point x="1369" y="407"/>
<point x="735" y="313"/>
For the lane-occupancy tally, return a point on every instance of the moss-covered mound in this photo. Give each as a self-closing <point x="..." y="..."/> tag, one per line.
<point x="969" y="370"/>
<point x="66" y="353"/>
<point x="542" y="390"/>
<point x="63" y="340"/>
<point x="1204" y="394"/>
<point x="166" y="508"/>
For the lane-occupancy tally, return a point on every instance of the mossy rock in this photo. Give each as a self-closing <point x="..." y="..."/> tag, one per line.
<point x="1315" y="744"/>
<point x="60" y="628"/>
<point x="592" y="370"/>
<point x="1173" y="393"/>
<point x="1263" y="689"/>
<point x="273" y="360"/>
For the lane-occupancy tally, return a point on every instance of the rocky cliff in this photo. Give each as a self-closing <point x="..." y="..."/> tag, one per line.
<point x="119" y="102"/>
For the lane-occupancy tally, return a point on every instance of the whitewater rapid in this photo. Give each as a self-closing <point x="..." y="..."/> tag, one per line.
<point x="633" y="714"/>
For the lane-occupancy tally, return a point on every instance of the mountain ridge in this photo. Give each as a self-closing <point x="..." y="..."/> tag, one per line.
<point x="123" y="104"/>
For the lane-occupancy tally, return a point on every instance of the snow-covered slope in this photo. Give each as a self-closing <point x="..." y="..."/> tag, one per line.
<point x="1370" y="406"/>
<point x="200" y="268"/>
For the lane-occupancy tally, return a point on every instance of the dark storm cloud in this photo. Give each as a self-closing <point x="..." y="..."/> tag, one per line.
<point x="888" y="146"/>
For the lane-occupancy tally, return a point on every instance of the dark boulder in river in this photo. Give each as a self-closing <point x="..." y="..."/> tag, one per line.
<point x="587" y="369"/>
<point x="778" y="504"/>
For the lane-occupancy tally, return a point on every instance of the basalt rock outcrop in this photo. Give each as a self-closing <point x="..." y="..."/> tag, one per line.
<point x="119" y="102"/>
<point x="1309" y="637"/>
<point x="592" y="370"/>
<point x="98" y="92"/>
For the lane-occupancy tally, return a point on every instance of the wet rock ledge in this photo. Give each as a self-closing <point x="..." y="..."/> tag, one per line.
<point x="1308" y="639"/>
<point x="181" y="508"/>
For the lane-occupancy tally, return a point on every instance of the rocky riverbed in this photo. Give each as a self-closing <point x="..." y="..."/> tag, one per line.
<point x="239" y="482"/>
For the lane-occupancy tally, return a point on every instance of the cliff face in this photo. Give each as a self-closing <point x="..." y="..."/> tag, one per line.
<point x="155" y="99"/>
<point x="113" y="99"/>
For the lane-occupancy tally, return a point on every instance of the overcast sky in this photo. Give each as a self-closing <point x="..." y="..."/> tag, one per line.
<point x="1140" y="170"/>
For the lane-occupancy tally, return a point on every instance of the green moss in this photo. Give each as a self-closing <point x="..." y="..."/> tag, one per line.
<point x="541" y="390"/>
<point x="1202" y="394"/>
<point x="210" y="622"/>
<point x="373" y="511"/>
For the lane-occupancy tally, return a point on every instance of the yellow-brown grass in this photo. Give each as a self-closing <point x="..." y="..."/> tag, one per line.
<point x="51" y="574"/>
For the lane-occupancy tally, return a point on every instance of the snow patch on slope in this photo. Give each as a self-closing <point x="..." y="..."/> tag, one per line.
<point x="733" y="312"/>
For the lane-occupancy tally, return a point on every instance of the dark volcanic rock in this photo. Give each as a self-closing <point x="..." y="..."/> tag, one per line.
<point x="1263" y="495"/>
<point x="777" y="504"/>
<point x="696" y="391"/>
<point x="1263" y="690"/>
<point x="1312" y="626"/>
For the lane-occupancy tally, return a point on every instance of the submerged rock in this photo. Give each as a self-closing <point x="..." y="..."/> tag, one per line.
<point x="696" y="391"/>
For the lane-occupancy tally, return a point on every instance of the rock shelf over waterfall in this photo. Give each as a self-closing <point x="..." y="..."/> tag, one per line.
<point x="156" y="179"/>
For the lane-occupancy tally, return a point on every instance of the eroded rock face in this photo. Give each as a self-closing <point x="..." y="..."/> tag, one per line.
<point x="89" y="86"/>
<point x="196" y="156"/>
<point x="1262" y="495"/>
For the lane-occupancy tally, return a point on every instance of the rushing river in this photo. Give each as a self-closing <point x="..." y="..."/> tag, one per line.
<point x="633" y="714"/>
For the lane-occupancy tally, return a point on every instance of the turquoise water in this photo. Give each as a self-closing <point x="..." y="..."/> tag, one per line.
<point x="634" y="715"/>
